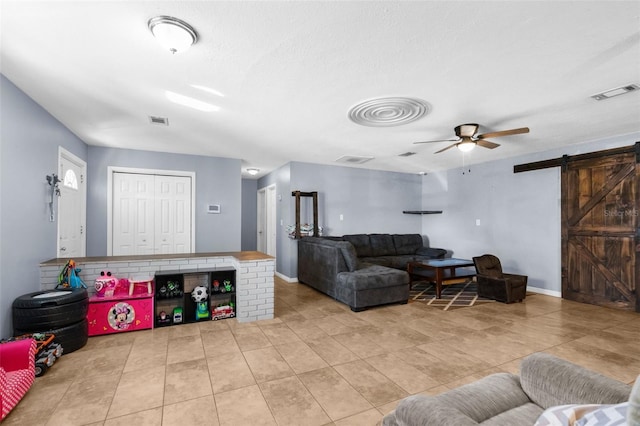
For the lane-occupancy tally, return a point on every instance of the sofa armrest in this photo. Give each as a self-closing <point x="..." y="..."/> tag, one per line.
<point x="425" y="411"/>
<point x="551" y="381"/>
<point x="432" y="252"/>
<point x="469" y="404"/>
<point x="17" y="355"/>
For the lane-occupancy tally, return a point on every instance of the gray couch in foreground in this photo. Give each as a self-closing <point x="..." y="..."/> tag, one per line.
<point x="374" y="276"/>
<point x="505" y="399"/>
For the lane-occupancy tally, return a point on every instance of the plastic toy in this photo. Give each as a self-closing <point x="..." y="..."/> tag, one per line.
<point x="222" y="312"/>
<point x="163" y="318"/>
<point x="215" y="286"/>
<point x="69" y="278"/>
<point x="173" y="289"/>
<point x="177" y="315"/>
<point x="47" y="351"/>
<point x="105" y="284"/>
<point x="200" y="294"/>
<point x="226" y="286"/>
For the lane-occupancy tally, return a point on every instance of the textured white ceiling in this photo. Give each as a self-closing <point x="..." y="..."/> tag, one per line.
<point x="290" y="71"/>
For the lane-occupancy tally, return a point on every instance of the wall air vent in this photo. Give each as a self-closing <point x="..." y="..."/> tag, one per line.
<point x="159" y="120"/>
<point x="615" y="92"/>
<point x="406" y="154"/>
<point x="352" y="159"/>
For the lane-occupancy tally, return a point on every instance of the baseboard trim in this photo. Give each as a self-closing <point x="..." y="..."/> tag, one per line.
<point x="286" y="278"/>
<point x="544" y="291"/>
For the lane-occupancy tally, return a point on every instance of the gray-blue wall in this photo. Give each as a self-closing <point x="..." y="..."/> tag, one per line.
<point x="370" y="201"/>
<point x="519" y="213"/>
<point x="249" y="215"/>
<point x="29" y="140"/>
<point x="218" y="181"/>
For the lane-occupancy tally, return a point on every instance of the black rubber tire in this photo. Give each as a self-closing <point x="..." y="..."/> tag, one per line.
<point x="41" y="368"/>
<point x="47" y="298"/>
<point x="50" y="317"/>
<point x="71" y="337"/>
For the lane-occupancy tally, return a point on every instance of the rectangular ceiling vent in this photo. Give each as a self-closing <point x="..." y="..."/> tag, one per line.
<point x="353" y="159"/>
<point x="159" y="120"/>
<point x="406" y="154"/>
<point x="615" y="92"/>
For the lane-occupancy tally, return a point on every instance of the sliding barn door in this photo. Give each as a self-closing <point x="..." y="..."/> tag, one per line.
<point x="601" y="231"/>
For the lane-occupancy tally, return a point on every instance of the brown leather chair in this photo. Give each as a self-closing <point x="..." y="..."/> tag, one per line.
<point x="495" y="284"/>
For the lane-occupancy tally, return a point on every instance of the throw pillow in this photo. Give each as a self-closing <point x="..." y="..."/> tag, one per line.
<point x="585" y="415"/>
<point x="350" y="256"/>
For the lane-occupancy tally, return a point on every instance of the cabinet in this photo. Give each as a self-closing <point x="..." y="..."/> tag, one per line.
<point x="186" y="297"/>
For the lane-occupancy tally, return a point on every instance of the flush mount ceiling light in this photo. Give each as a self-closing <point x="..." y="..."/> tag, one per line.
<point x="615" y="92"/>
<point x="387" y="112"/>
<point x="253" y="171"/>
<point x="172" y="33"/>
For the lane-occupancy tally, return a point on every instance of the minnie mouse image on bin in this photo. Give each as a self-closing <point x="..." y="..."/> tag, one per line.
<point x="121" y="316"/>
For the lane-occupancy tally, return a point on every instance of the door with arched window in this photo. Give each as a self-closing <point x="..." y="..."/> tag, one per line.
<point x="72" y="240"/>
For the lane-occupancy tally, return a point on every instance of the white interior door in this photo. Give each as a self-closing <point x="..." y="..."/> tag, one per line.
<point x="72" y="203"/>
<point x="262" y="236"/>
<point x="151" y="214"/>
<point x="267" y="220"/>
<point x="133" y="214"/>
<point x="271" y="220"/>
<point x="172" y="214"/>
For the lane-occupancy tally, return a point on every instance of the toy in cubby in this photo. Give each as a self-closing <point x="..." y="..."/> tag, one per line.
<point x="170" y="289"/>
<point x="199" y="295"/>
<point x="223" y="311"/>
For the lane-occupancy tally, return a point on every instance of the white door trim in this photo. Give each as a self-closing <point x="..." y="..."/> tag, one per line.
<point x="116" y="169"/>
<point x="267" y="210"/>
<point x="63" y="153"/>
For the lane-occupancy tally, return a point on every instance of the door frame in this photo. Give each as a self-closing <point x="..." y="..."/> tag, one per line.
<point x="63" y="153"/>
<point x="136" y="170"/>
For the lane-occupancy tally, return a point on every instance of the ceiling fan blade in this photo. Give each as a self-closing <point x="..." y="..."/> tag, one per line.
<point x="444" y="149"/>
<point x="504" y="133"/>
<point x="487" y="144"/>
<point x="440" y="140"/>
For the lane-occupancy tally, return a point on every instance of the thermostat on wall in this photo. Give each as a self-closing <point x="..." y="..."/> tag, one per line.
<point x="213" y="208"/>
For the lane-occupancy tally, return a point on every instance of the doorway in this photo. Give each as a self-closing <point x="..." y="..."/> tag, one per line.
<point x="150" y="212"/>
<point x="267" y="222"/>
<point x="72" y="205"/>
<point x="601" y="230"/>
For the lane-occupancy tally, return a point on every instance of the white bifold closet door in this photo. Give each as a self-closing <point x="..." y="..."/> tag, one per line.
<point x="151" y="214"/>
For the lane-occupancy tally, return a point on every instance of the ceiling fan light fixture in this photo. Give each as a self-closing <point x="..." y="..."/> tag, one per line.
<point x="466" y="146"/>
<point x="172" y="33"/>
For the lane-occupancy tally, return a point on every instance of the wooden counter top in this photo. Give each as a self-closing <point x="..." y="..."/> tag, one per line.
<point x="243" y="256"/>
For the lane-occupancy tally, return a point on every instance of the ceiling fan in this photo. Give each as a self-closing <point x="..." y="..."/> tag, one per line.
<point x="467" y="138"/>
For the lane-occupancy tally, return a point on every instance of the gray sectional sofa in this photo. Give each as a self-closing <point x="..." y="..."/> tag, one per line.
<point x="500" y="399"/>
<point x="361" y="270"/>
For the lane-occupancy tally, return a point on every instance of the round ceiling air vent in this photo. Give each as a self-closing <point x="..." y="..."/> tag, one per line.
<point x="387" y="112"/>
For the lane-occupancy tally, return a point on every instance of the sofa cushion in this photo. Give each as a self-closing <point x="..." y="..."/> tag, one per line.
<point x="349" y="254"/>
<point x="373" y="276"/>
<point x="382" y="245"/>
<point x="407" y="243"/>
<point x="361" y="244"/>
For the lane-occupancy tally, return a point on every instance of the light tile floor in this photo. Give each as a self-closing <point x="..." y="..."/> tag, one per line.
<point x="317" y="363"/>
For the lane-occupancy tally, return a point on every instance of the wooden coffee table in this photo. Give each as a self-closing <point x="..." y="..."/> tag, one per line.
<point x="440" y="271"/>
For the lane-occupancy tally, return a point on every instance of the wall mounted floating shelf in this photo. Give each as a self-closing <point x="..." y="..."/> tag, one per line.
<point x="422" y="211"/>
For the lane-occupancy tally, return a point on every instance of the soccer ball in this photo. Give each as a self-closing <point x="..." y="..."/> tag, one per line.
<point x="200" y="294"/>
